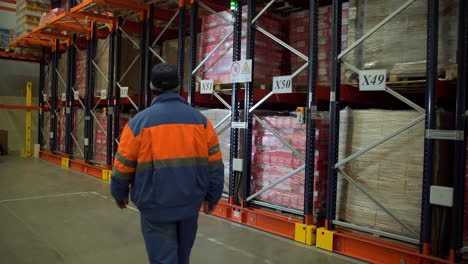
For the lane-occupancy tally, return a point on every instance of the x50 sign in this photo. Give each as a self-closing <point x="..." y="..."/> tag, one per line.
<point x="372" y="80"/>
<point x="282" y="84"/>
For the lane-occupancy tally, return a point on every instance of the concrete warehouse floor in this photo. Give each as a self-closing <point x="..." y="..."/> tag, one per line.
<point x="53" y="215"/>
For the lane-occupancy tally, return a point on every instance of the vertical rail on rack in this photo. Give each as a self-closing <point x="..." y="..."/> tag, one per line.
<point x="248" y="102"/>
<point x="460" y="146"/>
<point x="149" y="55"/>
<point x="89" y="96"/>
<point x="311" y="112"/>
<point x="69" y="110"/>
<point x="181" y="44"/>
<point x="40" y="138"/>
<point x="431" y="75"/>
<point x="110" y="103"/>
<point x="143" y="52"/>
<point x="234" y="181"/>
<point x="54" y="98"/>
<point x="193" y="50"/>
<point x="117" y="69"/>
<point x="334" y="113"/>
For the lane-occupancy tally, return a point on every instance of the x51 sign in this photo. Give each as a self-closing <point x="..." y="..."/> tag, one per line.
<point x="372" y="80"/>
<point x="206" y="87"/>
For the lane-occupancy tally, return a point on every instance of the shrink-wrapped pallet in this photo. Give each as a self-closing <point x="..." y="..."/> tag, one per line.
<point x="400" y="45"/>
<point x="392" y="172"/>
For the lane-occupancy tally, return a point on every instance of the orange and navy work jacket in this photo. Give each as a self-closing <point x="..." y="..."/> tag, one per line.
<point x="170" y="156"/>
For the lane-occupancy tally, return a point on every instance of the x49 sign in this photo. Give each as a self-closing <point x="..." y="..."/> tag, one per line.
<point x="206" y="87"/>
<point x="282" y="84"/>
<point x="372" y="80"/>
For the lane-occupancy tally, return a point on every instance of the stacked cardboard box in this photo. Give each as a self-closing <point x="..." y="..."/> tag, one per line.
<point x="299" y="39"/>
<point x="400" y="45"/>
<point x="224" y="136"/>
<point x="4" y="38"/>
<point x="268" y="54"/>
<point x="273" y="160"/>
<point x="28" y="14"/>
<point x="392" y="172"/>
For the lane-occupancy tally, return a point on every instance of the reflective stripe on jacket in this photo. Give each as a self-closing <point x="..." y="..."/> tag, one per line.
<point x="169" y="153"/>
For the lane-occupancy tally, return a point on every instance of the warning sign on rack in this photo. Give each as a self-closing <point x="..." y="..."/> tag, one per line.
<point x="241" y="71"/>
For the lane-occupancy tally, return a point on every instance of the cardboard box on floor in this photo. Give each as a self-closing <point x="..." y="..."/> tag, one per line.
<point x="4" y="141"/>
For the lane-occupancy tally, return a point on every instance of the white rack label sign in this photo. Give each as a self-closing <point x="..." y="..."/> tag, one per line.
<point x="64" y="97"/>
<point x="241" y="71"/>
<point x="282" y="84"/>
<point x="206" y="87"/>
<point x="103" y="94"/>
<point x="372" y="80"/>
<point x="76" y="94"/>
<point x="124" y="92"/>
<point x="240" y="125"/>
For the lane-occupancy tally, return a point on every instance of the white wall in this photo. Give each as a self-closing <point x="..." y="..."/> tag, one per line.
<point x="13" y="78"/>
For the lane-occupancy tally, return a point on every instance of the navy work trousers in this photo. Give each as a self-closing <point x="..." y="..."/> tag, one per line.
<point x="169" y="243"/>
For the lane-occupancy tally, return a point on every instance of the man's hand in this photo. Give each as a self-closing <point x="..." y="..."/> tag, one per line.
<point x="208" y="207"/>
<point x="122" y="204"/>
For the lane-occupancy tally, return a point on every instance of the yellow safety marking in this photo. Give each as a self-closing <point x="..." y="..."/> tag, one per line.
<point x="66" y="162"/>
<point x="324" y="239"/>
<point x="305" y="234"/>
<point x="106" y="175"/>
<point x="27" y="151"/>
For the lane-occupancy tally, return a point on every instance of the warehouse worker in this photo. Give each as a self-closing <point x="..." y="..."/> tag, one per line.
<point x="169" y="155"/>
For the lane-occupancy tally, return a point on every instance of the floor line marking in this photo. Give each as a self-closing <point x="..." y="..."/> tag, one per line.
<point x="34" y="232"/>
<point x="45" y="196"/>
<point x="128" y="206"/>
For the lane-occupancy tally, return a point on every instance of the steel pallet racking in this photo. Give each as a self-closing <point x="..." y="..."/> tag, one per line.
<point x="90" y="17"/>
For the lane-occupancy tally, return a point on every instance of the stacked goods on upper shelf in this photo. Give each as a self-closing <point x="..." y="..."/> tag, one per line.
<point x="400" y="45"/>
<point x="50" y="14"/>
<point x="299" y="39"/>
<point x="130" y="80"/>
<point x="28" y="14"/>
<point x="4" y="38"/>
<point x="391" y="173"/>
<point x="272" y="160"/>
<point x="268" y="54"/>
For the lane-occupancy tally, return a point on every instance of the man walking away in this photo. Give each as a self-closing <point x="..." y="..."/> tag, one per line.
<point x="170" y="162"/>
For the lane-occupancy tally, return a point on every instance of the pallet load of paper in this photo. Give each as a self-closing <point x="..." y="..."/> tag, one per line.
<point x="400" y="45"/>
<point x="391" y="173"/>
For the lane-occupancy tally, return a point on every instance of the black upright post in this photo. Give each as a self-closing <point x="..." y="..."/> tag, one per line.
<point x="460" y="125"/>
<point x="181" y="45"/>
<point x="117" y="68"/>
<point x="89" y="95"/>
<point x="54" y="98"/>
<point x="143" y="53"/>
<point x="193" y="51"/>
<point x="110" y="102"/>
<point x="149" y="55"/>
<point x="311" y="112"/>
<point x="248" y="102"/>
<point x="234" y="181"/>
<point x="69" y="110"/>
<point x="334" y="113"/>
<point x="40" y="138"/>
<point x="432" y="51"/>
